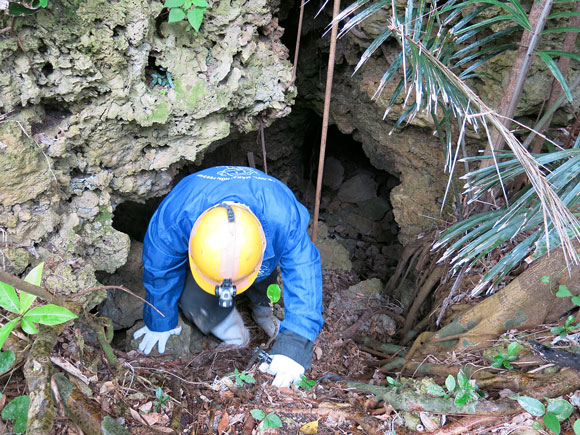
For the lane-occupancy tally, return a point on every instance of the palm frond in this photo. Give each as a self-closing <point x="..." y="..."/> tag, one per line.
<point x="439" y="49"/>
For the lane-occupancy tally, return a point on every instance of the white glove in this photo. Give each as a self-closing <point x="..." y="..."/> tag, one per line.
<point x="286" y="370"/>
<point x="151" y="338"/>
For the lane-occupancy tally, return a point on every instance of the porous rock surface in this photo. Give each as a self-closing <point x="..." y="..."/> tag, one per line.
<point x="82" y="130"/>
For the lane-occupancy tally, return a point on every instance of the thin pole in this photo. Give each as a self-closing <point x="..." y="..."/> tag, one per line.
<point x="327" y="93"/>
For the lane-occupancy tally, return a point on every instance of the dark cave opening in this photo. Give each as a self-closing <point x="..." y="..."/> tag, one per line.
<point x="354" y="208"/>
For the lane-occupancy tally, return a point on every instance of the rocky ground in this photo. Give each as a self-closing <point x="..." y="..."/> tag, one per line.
<point x="214" y="392"/>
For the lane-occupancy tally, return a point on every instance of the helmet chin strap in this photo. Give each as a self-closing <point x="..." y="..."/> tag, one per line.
<point x="227" y="290"/>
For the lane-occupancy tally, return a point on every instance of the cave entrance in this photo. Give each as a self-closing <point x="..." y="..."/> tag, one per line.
<point x="356" y="217"/>
<point x="355" y="209"/>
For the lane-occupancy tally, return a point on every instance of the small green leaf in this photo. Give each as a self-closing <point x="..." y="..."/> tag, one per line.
<point x="201" y="3"/>
<point x="272" y="421"/>
<point x="173" y="3"/>
<point x="463" y="381"/>
<point x="435" y="390"/>
<point x="247" y="377"/>
<point x="195" y="17"/>
<point x="450" y="383"/>
<point x="258" y="414"/>
<point x="6" y="360"/>
<point x="563" y="292"/>
<point x="43" y="3"/>
<point x="175" y="15"/>
<point x="6" y="330"/>
<point x="497" y="364"/>
<point x="17" y="10"/>
<point x="537" y="425"/>
<point x="512" y="348"/>
<point x="49" y="314"/>
<point x="391" y="381"/>
<point x="533" y="406"/>
<point x="17" y="410"/>
<point x="576" y="300"/>
<point x="557" y="330"/>
<point x="577" y="427"/>
<point x="561" y="408"/>
<point x="27" y="326"/>
<point x="552" y="423"/>
<point x="33" y="277"/>
<point x="159" y="393"/>
<point x="462" y="398"/>
<point x="273" y="292"/>
<point x="8" y="298"/>
<point x="545" y="279"/>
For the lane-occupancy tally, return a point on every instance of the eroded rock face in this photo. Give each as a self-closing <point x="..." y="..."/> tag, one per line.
<point x="85" y="131"/>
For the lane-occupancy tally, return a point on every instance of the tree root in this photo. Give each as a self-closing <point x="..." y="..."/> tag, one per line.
<point x="104" y="330"/>
<point x="38" y="372"/>
<point x="524" y="303"/>
<point x="424" y="292"/>
<point x="84" y="412"/>
<point x="406" y="398"/>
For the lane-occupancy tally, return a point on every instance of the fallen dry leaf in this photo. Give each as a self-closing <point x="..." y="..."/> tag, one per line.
<point x="224" y="422"/>
<point x="137" y="417"/>
<point x="310" y="428"/>
<point x="429" y="423"/>
<point x="156" y="418"/>
<point x="106" y="387"/>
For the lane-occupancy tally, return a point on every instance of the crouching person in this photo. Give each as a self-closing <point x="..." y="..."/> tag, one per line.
<point x="221" y="232"/>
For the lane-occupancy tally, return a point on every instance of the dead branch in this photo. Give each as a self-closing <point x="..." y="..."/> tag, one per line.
<point x="466" y="424"/>
<point x="35" y="290"/>
<point x="555" y="356"/>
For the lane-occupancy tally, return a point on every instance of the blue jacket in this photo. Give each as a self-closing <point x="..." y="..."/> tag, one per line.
<point x="283" y="219"/>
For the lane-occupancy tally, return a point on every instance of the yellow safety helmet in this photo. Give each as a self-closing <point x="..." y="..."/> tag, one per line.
<point x="226" y="246"/>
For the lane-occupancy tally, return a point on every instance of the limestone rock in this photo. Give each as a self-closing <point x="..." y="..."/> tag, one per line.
<point x="333" y="173"/>
<point x="121" y="307"/>
<point x="358" y="188"/>
<point x="88" y="131"/>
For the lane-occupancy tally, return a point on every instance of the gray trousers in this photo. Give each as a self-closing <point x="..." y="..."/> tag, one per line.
<point x="203" y="309"/>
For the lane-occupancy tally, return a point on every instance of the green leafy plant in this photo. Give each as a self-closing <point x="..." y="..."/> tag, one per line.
<point x="242" y="378"/>
<point x="505" y="359"/>
<point x="557" y="411"/>
<point x="564" y="292"/>
<point x="17" y="410"/>
<point x="162" y="78"/>
<point x="273" y="292"/>
<point x="463" y="390"/>
<point x="22" y="8"/>
<point x="305" y="383"/>
<point x="193" y="10"/>
<point x="267" y="421"/>
<point x="440" y="48"/>
<point x="161" y="397"/>
<point x="577" y="427"/>
<point x="392" y="382"/>
<point x="49" y="314"/>
<point x="567" y="328"/>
